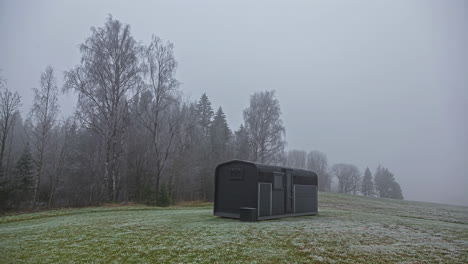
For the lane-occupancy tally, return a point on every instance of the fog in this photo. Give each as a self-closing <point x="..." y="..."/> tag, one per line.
<point x="366" y="82"/>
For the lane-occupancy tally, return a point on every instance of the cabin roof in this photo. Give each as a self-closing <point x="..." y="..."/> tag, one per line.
<point x="272" y="168"/>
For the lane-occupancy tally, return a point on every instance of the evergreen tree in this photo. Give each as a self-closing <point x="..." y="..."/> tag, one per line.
<point x="204" y="118"/>
<point x="22" y="183"/>
<point x="220" y="136"/>
<point x="386" y="185"/>
<point x="380" y="184"/>
<point x="164" y="196"/>
<point x="367" y="183"/>
<point x="205" y="113"/>
<point x="395" y="191"/>
<point x="242" y="146"/>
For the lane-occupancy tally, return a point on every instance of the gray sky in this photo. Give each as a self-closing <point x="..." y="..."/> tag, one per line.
<point x="367" y="82"/>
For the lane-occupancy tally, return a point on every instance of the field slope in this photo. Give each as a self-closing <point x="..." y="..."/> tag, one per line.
<point x="348" y="229"/>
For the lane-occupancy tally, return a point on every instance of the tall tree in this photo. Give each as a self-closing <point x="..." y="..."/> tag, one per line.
<point x="204" y="117"/>
<point x="367" y="183"/>
<point x="43" y="117"/>
<point x="205" y="114"/>
<point x="265" y="128"/>
<point x="160" y="114"/>
<point x="220" y="137"/>
<point x="9" y="104"/>
<point x="220" y="151"/>
<point x="109" y="72"/>
<point x="317" y="161"/>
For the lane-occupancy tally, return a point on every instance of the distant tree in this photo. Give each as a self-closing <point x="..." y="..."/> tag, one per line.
<point x="23" y="177"/>
<point x="205" y="114"/>
<point x="109" y="72"/>
<point x="202" y="150"/>
<point x="356" y="182"/>
<point x="24" y="165"/>
<point x="385" y="184"/>
<point x="241" y="144"/>
<point x="43" y="117"/>
<point x="9" y="104"/>
<point x="17" y="189"/>
<point x="317" y="161"/>
<point x="2" y="80"/>
<point x="265" y="128"/>
<point x="220" y="137"/>
<point x="15" y="143"/>
<point x="367" y="183"/>
<point x="396" y="192"/>
<point x="164" y="197"/>
<point x="348" y="177"/>
<point x="296" y="159"/>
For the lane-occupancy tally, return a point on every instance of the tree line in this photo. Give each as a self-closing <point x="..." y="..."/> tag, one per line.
<point x="349" y="178"/>
<point x="133" y="136"/>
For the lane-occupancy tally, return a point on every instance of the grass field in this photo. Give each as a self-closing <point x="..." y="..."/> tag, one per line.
<point x="348" y="229"/>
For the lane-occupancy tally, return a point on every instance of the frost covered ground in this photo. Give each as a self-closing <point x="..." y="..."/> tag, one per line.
<point x="348" y="229"/>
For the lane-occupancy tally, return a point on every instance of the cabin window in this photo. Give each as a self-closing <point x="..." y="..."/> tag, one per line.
<point x="237" y="174"/>
<point x="278" y="181"/>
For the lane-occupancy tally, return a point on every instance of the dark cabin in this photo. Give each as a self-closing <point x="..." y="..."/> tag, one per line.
<point x="252" y="191"/>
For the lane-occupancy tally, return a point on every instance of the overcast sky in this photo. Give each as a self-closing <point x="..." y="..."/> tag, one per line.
<point x="366" y="82"/>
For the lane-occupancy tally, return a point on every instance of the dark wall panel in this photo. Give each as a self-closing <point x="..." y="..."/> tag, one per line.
<point x="305" y="198"/>
<point x="236" y="187"/>
<point x="265" y="196"/>
<point x="278" y="202"/>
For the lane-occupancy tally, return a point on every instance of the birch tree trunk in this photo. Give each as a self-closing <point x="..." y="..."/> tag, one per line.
<point x="43" y="117"/>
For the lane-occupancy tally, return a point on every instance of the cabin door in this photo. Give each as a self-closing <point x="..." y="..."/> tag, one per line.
<point x="288" y="199"/>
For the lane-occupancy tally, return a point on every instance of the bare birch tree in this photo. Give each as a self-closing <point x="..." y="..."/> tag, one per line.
<point x="265" y="128"/>
<point x="43" y="117"/>
<point x="108" y="73"/>
<point x="160" y="114"/>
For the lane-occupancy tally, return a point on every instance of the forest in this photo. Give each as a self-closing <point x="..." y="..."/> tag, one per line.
<point x="135" y="138"/>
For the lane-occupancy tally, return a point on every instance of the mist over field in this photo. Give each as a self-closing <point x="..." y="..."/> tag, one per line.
<point x="367" y="83"/>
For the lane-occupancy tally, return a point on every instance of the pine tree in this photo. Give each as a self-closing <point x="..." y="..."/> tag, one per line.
<point x="205" y="113"/>
<point x="24" y="166"/>
<point x="23" y="177"/>
<point x="367" y="183"/>
<point x="164" y="196"/>
<point x="395" y="191"/>
<point x="204" y="116"/>
<point x="386" y="185"/>
<point x="379" y="181"/>
<point x="220" y="135"/>
<point x="242" y="146"/>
